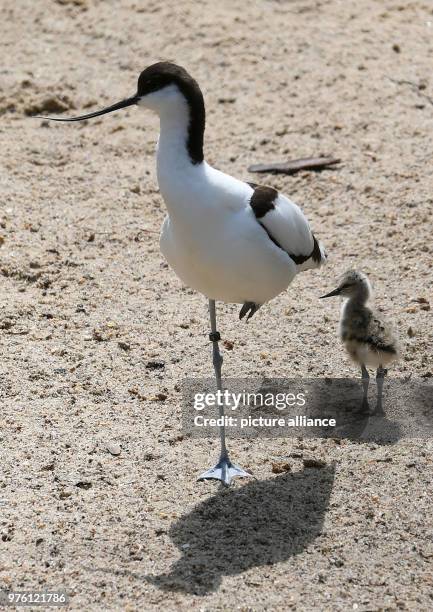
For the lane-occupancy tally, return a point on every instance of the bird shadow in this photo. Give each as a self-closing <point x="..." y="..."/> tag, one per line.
<point x="261" y="523"/>
<point x="402" y="411"/>
<point x="365" y="422"/>
<point x="338" y="399"/>
<point x="356" y="419"/>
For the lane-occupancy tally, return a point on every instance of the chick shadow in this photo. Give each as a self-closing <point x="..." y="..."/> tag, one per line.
<point x="366" y="421"/>
<point x="261" y="523"/>
<point x="402" y="411"/>
<point x="356" y="418"/>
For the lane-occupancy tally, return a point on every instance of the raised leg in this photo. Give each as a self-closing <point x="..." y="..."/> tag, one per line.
<point x="224" y="470"/>
<point x="380" y="375"/>
<point x="249" y="308"/>
<point x="365" y="383"/>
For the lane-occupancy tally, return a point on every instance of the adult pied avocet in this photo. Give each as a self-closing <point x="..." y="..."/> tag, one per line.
<point x="230" y="240"/>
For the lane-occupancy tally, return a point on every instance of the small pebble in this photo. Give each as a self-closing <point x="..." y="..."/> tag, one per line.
<point x="123" y="345"/>
<point x="65" y="494"/>
<point x="83" y="484"/>
<point x="113" y="448"/>
<point x="97" y="336"/>
<point x="314" y="463"/>
<point x="155" y="365"/>
<point x="280" y="468"/>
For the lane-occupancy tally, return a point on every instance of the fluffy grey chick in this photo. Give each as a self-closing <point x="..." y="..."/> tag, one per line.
<point x="369" y="339"/>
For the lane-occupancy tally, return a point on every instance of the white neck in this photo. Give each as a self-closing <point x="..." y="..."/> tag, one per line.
<point x="172" y="144"/>
<point x="175" y="170"/>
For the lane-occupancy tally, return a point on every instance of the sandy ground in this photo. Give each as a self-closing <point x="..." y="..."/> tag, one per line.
<point x="87" y="302"/>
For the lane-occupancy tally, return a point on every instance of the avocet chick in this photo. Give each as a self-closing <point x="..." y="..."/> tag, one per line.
<point x="369" y="339"/>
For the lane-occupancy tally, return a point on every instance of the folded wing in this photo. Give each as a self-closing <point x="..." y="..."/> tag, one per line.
<point x="287" y="226"/>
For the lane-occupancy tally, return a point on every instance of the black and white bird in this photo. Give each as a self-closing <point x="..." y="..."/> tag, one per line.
<point x="228" y="239"/>
<point x="368" y="337"/>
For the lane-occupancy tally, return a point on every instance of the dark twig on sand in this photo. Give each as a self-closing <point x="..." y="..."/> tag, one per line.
<point x="295" y="165"/>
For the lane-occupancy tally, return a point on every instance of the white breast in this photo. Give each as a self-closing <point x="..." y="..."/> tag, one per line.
<point x="216" y="245"/>
<point x="211" y="237"/>
<point x="219" y="249"/>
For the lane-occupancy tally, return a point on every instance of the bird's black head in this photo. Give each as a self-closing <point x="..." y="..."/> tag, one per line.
<point x="161" y="75"/>
<point x="159" y="88"/>
<point x="157" y="85"/>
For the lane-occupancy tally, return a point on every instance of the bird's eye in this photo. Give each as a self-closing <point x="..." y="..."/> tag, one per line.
<point x="155" y="83"/>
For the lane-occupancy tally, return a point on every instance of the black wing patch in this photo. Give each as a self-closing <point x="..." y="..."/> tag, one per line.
<point x="262" y="201"/>
<point x="315" y="254"/>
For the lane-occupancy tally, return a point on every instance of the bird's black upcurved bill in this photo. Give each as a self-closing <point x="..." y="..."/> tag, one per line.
<point x="108" y="109"/>
<point x="331" y="293"/>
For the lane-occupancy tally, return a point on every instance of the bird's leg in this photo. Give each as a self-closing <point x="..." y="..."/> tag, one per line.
<point x="365" y="383"/>
<point x="224" y="470"/>
<point x="249" y="307"/>
<point x="380" y="375"/>
<point x="217" y="360"/>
